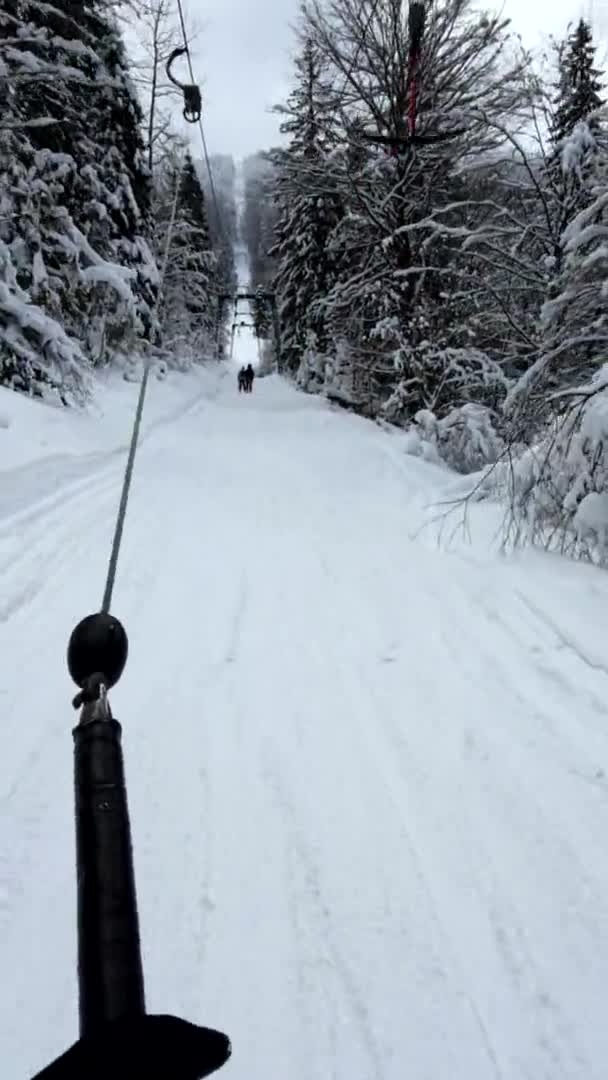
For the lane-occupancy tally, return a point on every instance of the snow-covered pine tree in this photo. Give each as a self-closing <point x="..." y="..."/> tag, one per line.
<point x="259" y="217"/>
<point x="189" y="297"/>
<point x="576" y="108"/>
<point x="200" y="261"/>
<point x="113" y="196"/>
<point x="219" y="189"/>
<point x="308" y="211"/>
<point x="262" y="314"/>
<point x="78" y="192"/>
<point x="579" y="87"/>
<point x="36" y="277"/>
<point x="37" y="355"/>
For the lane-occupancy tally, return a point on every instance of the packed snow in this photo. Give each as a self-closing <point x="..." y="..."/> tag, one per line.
<point x="367" y="755"/>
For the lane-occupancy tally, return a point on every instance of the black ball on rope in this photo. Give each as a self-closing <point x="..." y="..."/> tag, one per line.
<point x="99" y="644"/>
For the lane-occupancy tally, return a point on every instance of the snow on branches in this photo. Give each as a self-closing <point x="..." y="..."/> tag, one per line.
<point x="559" y="487"/>
<point x="78" y="279"/>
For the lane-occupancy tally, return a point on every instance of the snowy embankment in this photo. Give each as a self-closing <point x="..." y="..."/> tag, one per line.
<point x="368" y="775"/>
<point x="52" y="444"/>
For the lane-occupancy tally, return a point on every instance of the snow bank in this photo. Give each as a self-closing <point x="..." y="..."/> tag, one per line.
<point x="466" y="439"/>
<point x="31" y="430"/>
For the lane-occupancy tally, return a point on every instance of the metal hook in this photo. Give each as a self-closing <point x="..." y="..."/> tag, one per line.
<point x="193" y="104"/>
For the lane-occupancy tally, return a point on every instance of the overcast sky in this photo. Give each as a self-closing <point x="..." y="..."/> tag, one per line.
<point x="243" y="49"/>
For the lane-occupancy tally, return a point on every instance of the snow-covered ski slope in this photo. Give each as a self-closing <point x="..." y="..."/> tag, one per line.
<point x="368" y="777"/>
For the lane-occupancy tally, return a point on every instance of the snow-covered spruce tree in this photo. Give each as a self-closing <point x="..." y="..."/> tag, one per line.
<point x="259" y="217"/>
<point x="37" y="355"/>
<point x="79" y="208"/>
<point x="223" y="171"/>
<point x="579" y="89"/>
<point x="579" y="314"/>
<point x="307" y="212"/>
<point x="262" y="314"/>
<point x="574" y="319"/>
<point x="116" y="216"/>
<point x="188" y="305"/>
<point x="576" y="108"/>
<point x="220" y="199"/>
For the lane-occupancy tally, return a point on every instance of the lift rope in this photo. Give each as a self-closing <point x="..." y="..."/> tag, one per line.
<point x="124" y="497"/>
<point x="126" y="485"/>
<point x="199" y="122"/>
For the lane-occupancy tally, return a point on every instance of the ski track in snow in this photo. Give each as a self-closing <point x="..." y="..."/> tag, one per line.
<point x="368" y="776"/>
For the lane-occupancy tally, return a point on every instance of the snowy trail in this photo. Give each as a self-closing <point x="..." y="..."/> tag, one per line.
<point x="368" y="777"/>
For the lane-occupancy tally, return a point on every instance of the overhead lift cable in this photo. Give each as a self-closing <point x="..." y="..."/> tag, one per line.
<point x="199" y="122"/>
<point x="126" y="486"/>
<point x="194" y="116"/>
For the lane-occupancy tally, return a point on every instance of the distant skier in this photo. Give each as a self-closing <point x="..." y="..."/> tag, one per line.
<point x="242" y="378"/>
<point x="249" y="377"/>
